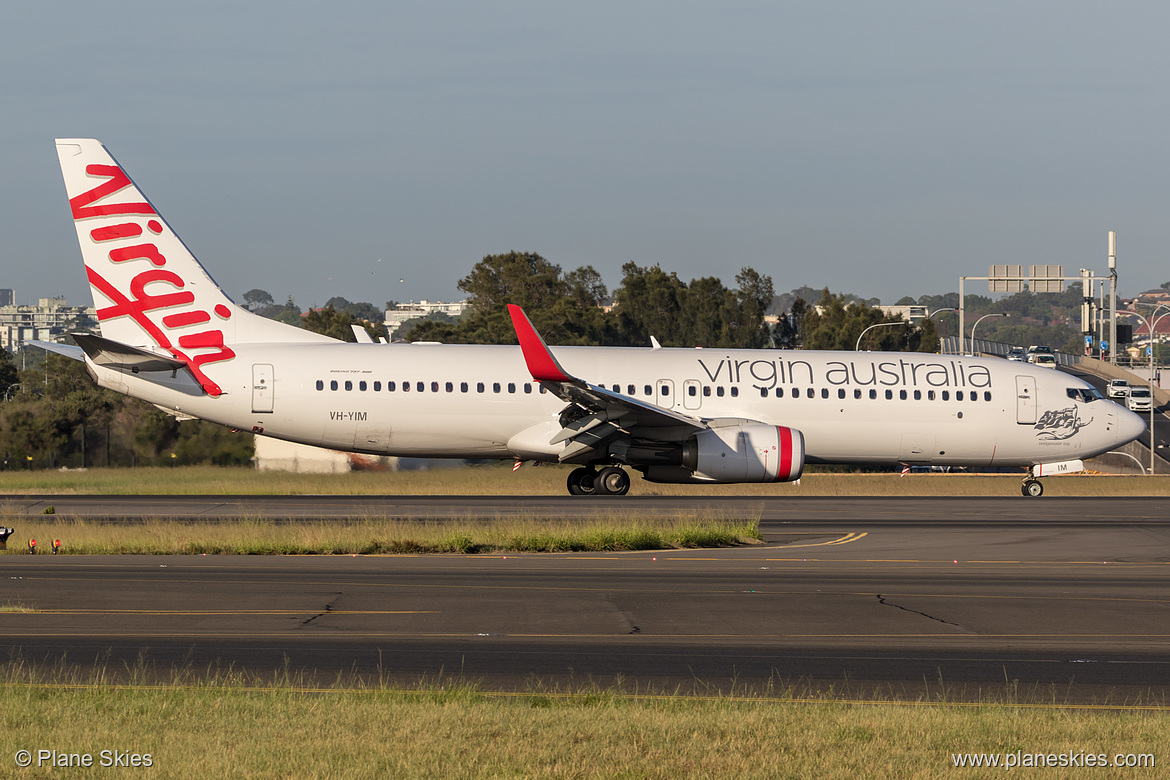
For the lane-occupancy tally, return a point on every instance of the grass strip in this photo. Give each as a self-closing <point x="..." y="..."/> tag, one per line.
<point x="228" y="725"/>
<point x="373" y="536"/>
<point x="488" y="480"/>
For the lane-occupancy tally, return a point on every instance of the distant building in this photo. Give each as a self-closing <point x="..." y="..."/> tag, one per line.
<point x="7" y="297"/>
<point x="411" y="311"/>
<point x="277" y="455"/>
<point x="50" y="320"/>
<point x="912" y="313"/>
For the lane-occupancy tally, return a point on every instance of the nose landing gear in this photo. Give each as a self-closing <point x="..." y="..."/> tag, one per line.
<point x="1032" y="488"/>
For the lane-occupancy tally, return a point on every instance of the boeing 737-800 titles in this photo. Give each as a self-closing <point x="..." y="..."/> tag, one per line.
<point x="169" y="335"/>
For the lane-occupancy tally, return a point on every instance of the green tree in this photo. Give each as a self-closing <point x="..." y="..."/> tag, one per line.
<point x="8" y="373"/>
<point x="256" y="299"/>
<point x="330" y="322"/>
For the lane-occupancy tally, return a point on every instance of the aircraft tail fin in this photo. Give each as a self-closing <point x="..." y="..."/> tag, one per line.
<point x="149" y="290"/>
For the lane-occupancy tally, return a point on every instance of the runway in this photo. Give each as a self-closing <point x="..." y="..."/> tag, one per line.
<point x="907" y="596"/>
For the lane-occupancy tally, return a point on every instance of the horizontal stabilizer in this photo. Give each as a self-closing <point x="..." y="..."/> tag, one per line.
<point x="68" y="350"/>
<point x="113" y="354"/>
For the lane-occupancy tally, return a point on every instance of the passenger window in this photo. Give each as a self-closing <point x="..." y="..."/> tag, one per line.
<point x="929" y="395"/>
<point x="390" y="387"/>
<point x="872" y="394"/>
<point x="630" y="390"/>
<point x="420" y="386"/>
<point x="333" y="384"/>
<point x="824" y="392"/>
<point x="986" y="395"/>
<point x="377" y="387"/>
<point x="810" y="393"/>
<point x="542" y="390"/>
<point x="691" y="391"/>
<point x="406" y="387"/>
<point x="706" y="391"/>
<point x="917" y="395"/>
<point x="735" y="392"/>
<point x="320" y="385"/>
<point x="958" y="395"/>
<point x="857" y="393"/>
<point x="840" y="392"/>
<point x="511" y="387"/>
<point x="362" y="385"/>
<point x="528" y="387"/>
<point x="763" y="392"/>
<point x="719" y="391"/>
<point x="434" y="387"/>
<point x="647" y="390"/>
<point x="479" y="387"/>
<point x="495" y="387"/>
<point x="902" y="394"/>
<point x="889" y="395"/>
<point x="946" y="395"/>
<point x="779" y="392"/>
<point x="449" y="387"/>
<point x="463" y="387"/>
<point x="348" y="385"/>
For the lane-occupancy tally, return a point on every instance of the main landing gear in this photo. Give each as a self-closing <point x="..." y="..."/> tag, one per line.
<point x="611" y="481"/>
<point x="1032" y="488"/>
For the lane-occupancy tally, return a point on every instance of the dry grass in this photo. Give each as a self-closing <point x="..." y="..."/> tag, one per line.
<point x="548" y="480"/>
<point x="226" y="725"/>
<point x="367" y="536"/>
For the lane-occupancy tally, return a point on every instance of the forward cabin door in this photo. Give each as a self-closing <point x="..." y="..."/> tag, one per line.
<point x="262" y="388"/>
<point x="692" y="394"/>
<point x="1025" y="400"/>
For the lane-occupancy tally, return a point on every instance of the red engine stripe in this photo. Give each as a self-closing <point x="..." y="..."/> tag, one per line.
<point x="785" y="470"/>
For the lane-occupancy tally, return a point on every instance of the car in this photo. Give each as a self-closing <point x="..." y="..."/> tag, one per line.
<point x="1046" y="361"/>
<point x="1140" y="399"/>
<point x="1016" y="355"/>
<point x="1037" y="349"/>
<point x="1117" y="388"/>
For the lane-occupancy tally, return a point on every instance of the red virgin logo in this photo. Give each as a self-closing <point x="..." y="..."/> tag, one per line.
<point x="166" y="301"/>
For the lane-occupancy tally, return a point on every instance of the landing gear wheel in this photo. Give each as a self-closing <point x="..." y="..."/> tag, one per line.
<point x="613" y="481"/>
<point x="1032" y="488"/>
<point x="582" y="482"/>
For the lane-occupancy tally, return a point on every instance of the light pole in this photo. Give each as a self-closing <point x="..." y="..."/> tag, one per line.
<point x="940" y="311"/>
<point x="976" y="325"/>
<point x="1149" y="380"/>
<point x="871" y="327"/>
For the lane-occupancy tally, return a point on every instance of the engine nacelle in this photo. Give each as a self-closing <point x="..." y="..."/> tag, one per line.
<point x="751" y="452"/>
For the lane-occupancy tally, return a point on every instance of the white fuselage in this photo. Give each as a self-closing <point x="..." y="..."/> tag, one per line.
<point x="481" y="402"/>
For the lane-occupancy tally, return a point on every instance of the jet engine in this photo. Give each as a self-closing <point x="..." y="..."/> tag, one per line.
<point x="749" y="452"/>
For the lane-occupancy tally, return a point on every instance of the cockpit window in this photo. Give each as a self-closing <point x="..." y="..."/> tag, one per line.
<point x="1083" y="394"/>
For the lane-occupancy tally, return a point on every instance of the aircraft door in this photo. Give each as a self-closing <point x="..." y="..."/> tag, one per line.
<point x="692" y="394"/>
<point x="262" y="388"/>
<point x="1025" y="400"/>
<point x="664" y="393"/>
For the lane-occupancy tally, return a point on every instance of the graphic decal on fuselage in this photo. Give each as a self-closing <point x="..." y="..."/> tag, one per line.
<point x="177" y="302"/>
<point x="1058" y="424"/>
<point x="767" y="374"/>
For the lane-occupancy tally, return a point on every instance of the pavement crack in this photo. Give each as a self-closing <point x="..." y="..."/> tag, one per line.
<point x="882" y="600"/>
<point x="328" y="608"/>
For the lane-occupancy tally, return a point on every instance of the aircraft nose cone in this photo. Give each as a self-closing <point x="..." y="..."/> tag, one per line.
<point x="1129" y="426"/>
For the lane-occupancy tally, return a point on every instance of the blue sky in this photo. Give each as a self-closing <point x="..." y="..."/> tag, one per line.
<point x="878" y="148"/>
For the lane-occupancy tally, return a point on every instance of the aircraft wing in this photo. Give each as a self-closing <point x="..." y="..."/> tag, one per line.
<point x="605" y="413"/>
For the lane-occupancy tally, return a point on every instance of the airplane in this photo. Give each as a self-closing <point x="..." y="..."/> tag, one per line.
<point x="170" y="336"/>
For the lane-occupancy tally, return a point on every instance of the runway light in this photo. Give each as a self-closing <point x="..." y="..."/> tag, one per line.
<point x="956" y="561"/>
<point x="32" y="546"/>
<point x="56" y="546"/>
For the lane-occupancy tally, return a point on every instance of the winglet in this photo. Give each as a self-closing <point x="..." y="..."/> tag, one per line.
<point x="541" y="363"/>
